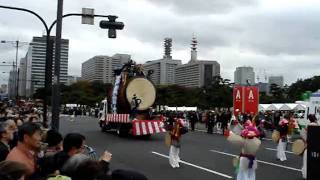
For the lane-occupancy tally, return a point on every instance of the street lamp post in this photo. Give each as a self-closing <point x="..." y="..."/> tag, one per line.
<point x="49" y="51"/>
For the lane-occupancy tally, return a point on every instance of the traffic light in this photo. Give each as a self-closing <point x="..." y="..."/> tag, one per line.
<point x="112" y="26"/>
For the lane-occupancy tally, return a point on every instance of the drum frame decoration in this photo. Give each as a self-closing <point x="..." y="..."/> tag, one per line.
<point x="127" y="116"/>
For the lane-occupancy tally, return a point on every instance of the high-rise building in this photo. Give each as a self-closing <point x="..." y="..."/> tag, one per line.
<point x="72" y="80"/>
<point x="163" y="69"/>
<point x="278" y="80"/>
<point x="12" y="88"/>
<point x="244" y="75"/>
<point x="100" y="68"/>
<point x="22" y="77"/>
<point x="35" y="64"/>
<point x="196" y="73"/>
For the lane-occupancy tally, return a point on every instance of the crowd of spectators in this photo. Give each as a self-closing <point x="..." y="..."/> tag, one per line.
<point x="30" y="151"/>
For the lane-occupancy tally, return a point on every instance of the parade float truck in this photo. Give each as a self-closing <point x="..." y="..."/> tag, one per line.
<point x="127" y="109"/>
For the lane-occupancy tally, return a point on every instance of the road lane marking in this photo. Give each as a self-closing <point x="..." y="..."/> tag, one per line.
<point x="196" y="166"/>
<point x="264" y="162"/>
<point x="200" y="130"/>
<point x="271" y="149"/>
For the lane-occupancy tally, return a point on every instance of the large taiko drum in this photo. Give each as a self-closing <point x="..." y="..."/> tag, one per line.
<point x="298" y="147"/>
<point x="143" y="89"/>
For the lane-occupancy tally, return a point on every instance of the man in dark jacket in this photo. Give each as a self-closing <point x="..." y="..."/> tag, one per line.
<point x="193" y="120"/>
<point x="211" y="122"/>
<point x="6" y="135"/>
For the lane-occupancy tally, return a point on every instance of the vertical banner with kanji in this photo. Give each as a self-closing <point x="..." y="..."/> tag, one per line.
<point x="238" y="99"/>
<point x="251" y="101"/>
<point x="245" y="99"/>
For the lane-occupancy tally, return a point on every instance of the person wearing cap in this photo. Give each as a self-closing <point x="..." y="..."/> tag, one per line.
<point x="6" y="135"/>
<point x="282" y="144"/>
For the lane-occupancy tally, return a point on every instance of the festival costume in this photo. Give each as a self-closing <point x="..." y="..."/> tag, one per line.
<point x="247" y="163"/>
<point x="175" y="144"/>
<point x="282" y="144"/>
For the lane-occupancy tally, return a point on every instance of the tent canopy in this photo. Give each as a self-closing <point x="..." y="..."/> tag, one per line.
<point x="282" y="107"/>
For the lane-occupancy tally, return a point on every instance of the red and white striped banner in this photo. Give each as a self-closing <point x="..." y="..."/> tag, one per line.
<point x="144" y="127"/>
<point x="119" y="118"/>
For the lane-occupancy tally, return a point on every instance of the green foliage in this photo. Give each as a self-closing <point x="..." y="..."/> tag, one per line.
<point x="217" y="94"/>
<point x="82" y="92"/>
<point x="297" y="89"/>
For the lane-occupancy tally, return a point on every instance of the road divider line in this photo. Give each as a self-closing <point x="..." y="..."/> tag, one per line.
<point x="263" y="162"/>
<point x="271" y="149"/>
<point x="196" y="166"/>
<point x="200" y="130"/>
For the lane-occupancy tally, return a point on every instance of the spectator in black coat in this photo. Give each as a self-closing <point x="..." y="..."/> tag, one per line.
<point x="6" y="135"/>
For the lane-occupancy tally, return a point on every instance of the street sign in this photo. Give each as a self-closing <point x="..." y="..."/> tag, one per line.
<point x="87" y="16"/>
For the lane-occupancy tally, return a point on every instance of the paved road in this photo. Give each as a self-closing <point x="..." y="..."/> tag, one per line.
<point x="206" y="157"/>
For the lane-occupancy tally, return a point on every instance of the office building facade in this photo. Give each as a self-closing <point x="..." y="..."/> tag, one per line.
<point x="278" y="80"/>
<point x="100" y="68"/>
<point x="35" y="64"/>
<point x="244" y="76"/>
<point x="163" y="69"/>
<point x="196" y="73"/>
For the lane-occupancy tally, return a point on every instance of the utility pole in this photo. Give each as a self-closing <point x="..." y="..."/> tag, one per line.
<point x="111" y="25"/>
<point x="56" y="78"/>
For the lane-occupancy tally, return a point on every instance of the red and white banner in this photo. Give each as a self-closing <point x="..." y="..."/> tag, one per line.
<point x="119" y="118"/>
<point x="245" y="99"/>
<point x="237" y="100"/>
<point x="251" y="101"/>
<point x="144" y="127"/>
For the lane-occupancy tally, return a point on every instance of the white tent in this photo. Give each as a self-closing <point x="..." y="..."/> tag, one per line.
<point x="282" y="107"/>
<point x="300" y="107"/>
<point x="187" y="108"/>
<point x="292" y="106"/>
<point x="285" y="107"/>
<point x="272" y="107"/>
<point x="263" y="107"/>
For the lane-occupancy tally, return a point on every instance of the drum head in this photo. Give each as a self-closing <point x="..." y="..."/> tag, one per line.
<point x="275" y="136"/>
<point x="144" y="90"/>
<point x="298" y="147"/>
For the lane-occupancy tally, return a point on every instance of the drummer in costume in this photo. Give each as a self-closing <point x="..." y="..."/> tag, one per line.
<point x="282" y="144"/>
<point x="175" y="145"/>
<point x="303" y="133"/>
<point x="246" y="164"/>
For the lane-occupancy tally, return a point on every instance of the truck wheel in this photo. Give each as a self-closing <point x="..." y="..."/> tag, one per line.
<point x="122" y="131"/>
<point x="147" y="136"/>
<point x="102" y="126"/>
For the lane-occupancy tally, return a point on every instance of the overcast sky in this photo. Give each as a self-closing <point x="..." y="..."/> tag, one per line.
<point x="276" y="37"/>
